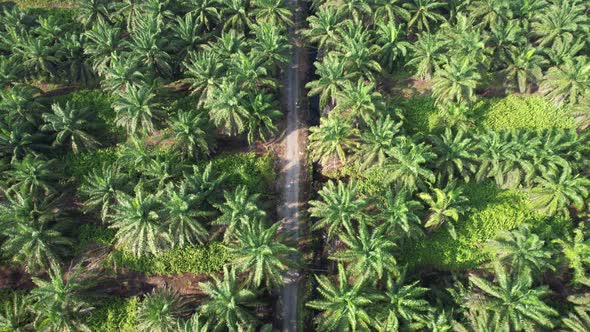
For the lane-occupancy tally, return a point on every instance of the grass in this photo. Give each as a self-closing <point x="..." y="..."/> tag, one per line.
<point x="491" y="210"/>
<point x="44" y="3"/>
<point x="516" y="112"/>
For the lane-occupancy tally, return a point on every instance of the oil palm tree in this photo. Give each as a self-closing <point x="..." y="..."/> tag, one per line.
<point x="271" y="46"/>
<point x="456" y="82"/>
<point x="260" y="253"/>
<point x="519" y="306"/>
<point x="230" y="42"/>
<point x="579" y="319"/>
<point x="403" y="305"/>
<point x="160" y="310"/>
<point x="392" y="47"/>
<point x="555" y="193"/>
<point x="34" y="244"/>
<point x="357" y="52"/>
<point x="427" y="55"/>
<point x="323" y="26"/>
<point x="521" y="250"/>
<point x="185" y="216"/>
<point x="92" y="11"/>
<point x="481" y="320"/>
<point x="220" y="316"/>
<point x="564" y="49"/>
<point x="19" y="105"/>
<point x="423" y="13"/>
<point x="15" y="314"/>
<point x="455" y="156"/>
<point x="129" y="11"/>
<point x="238" y="205"/>
<point x="187" y="37"/>
<point x="139" y="225"/>
<point x="368" y="252"/>
<point x="227" y="108"/>
<point x="204" y="71"/>
<point x="191" y="134"/>
<point x="567" y="83"/>
<point x="246" y="69"/>
<point x="136" y="109"/>
<point x="377" y="141"/>
<point x="490" y="13"/>
<point x="390" y="10"/>
<point x="60" y="302"/>
<point x="275" y="12"/>
<point x="524" y="68"/>
<point x="400" y="214"/>
<point x="38" y="57"/>
<point x="263" y="112"/>
<point x="575" y="251"/>
<point x="148" y="50"/>
<point x="359" y="100"/>
<point x="205" y="12"/>
<point x="344" y="307"/>
<point x="355" y="9"/>
<point x="331" y="140"/>
<point x="101" y="187"/>
<point x="195" y="324"/>
<point x="558" y="20"/>
<point x="446" y="206"/>
<point x="333" y="75"/>
<point x="235" y="15"/>
<point x="120" y="73"/>
<point x="203" y="181"/>
<point x="70" y="124"/>
<point x="16" y="142"/>
<point x="408" y="167"/>
<point x="339" y="207"/>
<point x="9" y="71"/>
<point x="33" y="176"/>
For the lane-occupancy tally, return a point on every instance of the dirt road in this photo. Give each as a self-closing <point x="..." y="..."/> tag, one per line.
<point x="291" y="177"/>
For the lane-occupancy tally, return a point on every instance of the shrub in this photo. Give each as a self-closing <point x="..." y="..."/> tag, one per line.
<point x="515" y="111"/>
<point x="49" y="4"/>
<point x="116" y="315"/>
<point x="202" y="259"/>
<point x="419" y="113"/>
<point x="80" y="165"/>
<point x="255" y="172"/>
<point x="491" y="210"/>
<point x="89" y="234"/>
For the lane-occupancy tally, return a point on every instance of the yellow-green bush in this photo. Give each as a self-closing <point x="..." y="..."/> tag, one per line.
<point x="255" y="172"/>
<point x="201" y="259"/>
<point x="514" y="111"/>
<point x="491" y="210"/>
<point x="116" y="315"/>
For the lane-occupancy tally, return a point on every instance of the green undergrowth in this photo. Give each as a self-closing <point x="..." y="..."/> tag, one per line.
<point x="491" y="210"/>
<point x="201" y="259"/>
<point x="44" y="3"/>
<point x="515" y="112"/>
<point x="114" y="315"/>
<point x="80" y="165"/>
<point x="511" y="112"/>
<point x="255" y="172"/>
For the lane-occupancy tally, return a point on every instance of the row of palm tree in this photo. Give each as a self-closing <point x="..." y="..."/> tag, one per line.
<point x="371" y="292"/>
<point x="238" y="65"/>
<point x="392" y="187"/>
<point x="524" y="52"/>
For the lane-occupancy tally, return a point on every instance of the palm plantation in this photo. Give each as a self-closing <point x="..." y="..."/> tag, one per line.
<point x="442" y="184"/>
